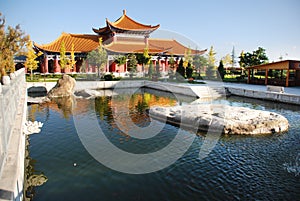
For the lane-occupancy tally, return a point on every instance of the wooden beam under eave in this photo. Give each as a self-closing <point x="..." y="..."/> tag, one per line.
<point x="248" y="81"/>
<point x="266" y="77"/>
<point x="287" y="78"/>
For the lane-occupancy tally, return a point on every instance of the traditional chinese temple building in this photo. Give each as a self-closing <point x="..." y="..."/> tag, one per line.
<point x="121" y="37"/>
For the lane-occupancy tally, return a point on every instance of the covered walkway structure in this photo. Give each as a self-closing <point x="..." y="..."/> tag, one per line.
<point x="281" y="73"/>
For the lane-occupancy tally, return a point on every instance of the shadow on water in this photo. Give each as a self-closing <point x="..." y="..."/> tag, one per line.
<point x="65" y="104"/>
<point x="266" y="104"/>
<point x="38" y="91"/>
<point x="33" y="178"/>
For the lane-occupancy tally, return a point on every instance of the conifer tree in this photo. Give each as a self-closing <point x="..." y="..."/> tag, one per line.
<point x="200" y="62"/>
<point x="172" y="66"/>
<point x="221" y="70"/>
<point x="63" y="58"/>
<point x="180" y="71"/>
<point x="227" y="60"/>
<point x="233" y="57"/>
<point x="172" y="62"/>
<point x="72" y="61"/>
<point x="120" y="60"/>
<point x="132" y="64"/>
<point x="242" y="61"/>
<point x="98" y="57"/>
<point x="211" y="56"/>
<point x="188" y="59"/>
<point x="157" y="67"/>
<point x="31" y="63"/>
<point x="150" y="70"/>
<point x="144" y="58"/>
<point x="189" y="71"/>
<point x="210" y="71"/>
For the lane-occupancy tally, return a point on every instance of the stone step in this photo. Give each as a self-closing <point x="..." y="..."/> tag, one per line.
<point x="210" y="92"/>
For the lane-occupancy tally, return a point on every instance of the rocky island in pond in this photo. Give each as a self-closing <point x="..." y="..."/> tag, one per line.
<point x="64" y="87"/>
<point x="228" y="119"/>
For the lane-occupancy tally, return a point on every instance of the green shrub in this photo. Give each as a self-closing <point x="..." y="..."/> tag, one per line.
<point x="116" y="78"/>
<point x="108" y="77"/>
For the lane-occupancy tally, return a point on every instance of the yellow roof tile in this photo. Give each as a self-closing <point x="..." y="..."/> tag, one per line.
<point x="172" y="46"/>
<point x="155" y="46"/>
<point x="82" y="43"/>
<point x="86" y="43"/>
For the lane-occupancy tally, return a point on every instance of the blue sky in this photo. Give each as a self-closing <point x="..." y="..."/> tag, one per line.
<point x="271" y="24"/>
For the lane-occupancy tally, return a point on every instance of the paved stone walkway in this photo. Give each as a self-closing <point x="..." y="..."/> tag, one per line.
<point x="287" y="90"/>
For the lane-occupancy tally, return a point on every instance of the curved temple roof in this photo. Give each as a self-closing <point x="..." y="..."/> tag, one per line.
<point x="86" y="43"/>
<point x="156" y="46"/>
<point x="82" y="43"/>
<point x="126" y="24"/>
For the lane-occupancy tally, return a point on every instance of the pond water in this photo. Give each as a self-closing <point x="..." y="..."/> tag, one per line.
<point x="264" y="167"/>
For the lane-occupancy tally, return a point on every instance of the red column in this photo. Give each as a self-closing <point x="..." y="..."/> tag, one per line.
<point x="86" y="66"/>
<point x="266" y="77"/>
<point x="160" y="65"/>
<point x="42" y="67"/>
<point x="248" y="81"/>
<point x="45" y="70"/>
<point x="287" y="78"/>
<point x="113" y="67"/>
<point x="74" y="68"/>
<point x="162" y="62"/>
<point x="167" y="64"/>
<point x="78" y="64"/>
<point x="56" y="66"/>
<point x="146" y="40"/>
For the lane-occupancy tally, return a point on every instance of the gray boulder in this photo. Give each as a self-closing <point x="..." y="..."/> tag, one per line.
<point x="64" y="87"/>
<point x="222" y="118"/>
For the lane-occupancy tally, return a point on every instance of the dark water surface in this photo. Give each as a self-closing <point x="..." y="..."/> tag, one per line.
<point x="262" y="167"/>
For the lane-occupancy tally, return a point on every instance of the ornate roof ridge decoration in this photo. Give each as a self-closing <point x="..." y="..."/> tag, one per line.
<point x="126" y="24"/>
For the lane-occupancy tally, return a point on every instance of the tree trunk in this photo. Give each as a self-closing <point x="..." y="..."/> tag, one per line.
<point x="98" y="71"/>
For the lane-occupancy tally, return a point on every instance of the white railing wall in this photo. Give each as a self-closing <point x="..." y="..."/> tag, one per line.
<point x="10" y="97"/>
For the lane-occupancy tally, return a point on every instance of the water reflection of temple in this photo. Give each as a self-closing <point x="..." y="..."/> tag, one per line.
<point x="68" y="106"/>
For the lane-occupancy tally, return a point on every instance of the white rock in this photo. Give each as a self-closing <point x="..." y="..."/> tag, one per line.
<point x="32" y="127"/>
<point x="233" y="120"/>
